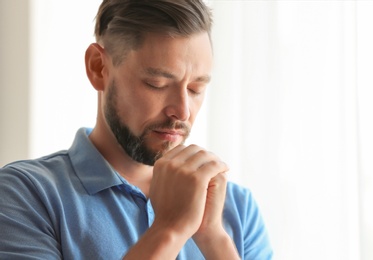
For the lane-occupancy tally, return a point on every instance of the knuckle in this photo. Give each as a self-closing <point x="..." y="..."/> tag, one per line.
<point x="215" y="163"/>
<point x="173" y="165"/>
<point x="203" y="153"/>
<point x="194" y="146"/>
<point x="223" y="176"/>
<point x="194" y="179"/>
<point x="158" y="163"/>
<point x="182" y="170"/>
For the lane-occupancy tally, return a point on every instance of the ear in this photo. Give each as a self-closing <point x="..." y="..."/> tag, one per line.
<point x="96" y="66"/>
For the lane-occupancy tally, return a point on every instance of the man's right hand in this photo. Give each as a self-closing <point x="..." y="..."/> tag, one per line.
<point x="179" y="187"/>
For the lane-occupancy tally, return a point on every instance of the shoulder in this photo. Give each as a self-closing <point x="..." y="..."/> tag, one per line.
<point x="240" y="206"/>
<point x="238" y="190"/>
<point x="38" y="184"/>
<point x="241" y="203"/>
<point x="239" y="197"/>
<point x="30" y="206"/>
<point x="41" y="163"/>
<point x="31" y="172"/>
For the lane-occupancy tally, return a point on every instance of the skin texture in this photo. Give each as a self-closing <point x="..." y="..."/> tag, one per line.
<point x="158" y="91"/>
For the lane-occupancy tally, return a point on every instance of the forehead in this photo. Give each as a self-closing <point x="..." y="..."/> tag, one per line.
<point x="176" y="55"/>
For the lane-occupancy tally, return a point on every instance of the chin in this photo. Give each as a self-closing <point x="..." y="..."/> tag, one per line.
<point x="165" y="147"/>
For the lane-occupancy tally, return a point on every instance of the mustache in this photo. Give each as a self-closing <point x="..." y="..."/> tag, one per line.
<point x="170" y="125"/>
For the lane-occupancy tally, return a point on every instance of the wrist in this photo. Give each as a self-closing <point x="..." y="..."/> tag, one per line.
<point x="210" y="235"/>
<point x="171" y="233"/>
<point x="216" y="245"/>
<point x="158" y="242"/>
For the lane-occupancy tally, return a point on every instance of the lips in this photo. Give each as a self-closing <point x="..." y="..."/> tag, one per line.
<point x="171" y="132"/>
<point x="169" y="135"/>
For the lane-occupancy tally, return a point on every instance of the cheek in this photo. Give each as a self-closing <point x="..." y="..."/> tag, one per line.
<point x="132" y="100"/>
<point x="138" y="109"/>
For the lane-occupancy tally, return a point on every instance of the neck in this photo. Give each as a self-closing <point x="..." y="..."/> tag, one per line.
<point x="136" y="173"/>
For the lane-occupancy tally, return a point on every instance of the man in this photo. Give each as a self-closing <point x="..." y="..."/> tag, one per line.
<point x="129" y="188"/>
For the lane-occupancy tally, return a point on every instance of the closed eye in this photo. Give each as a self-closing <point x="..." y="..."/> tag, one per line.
<point x="193" y="92"/>
<point x="154" y="86"/>
<point x="197" y="90"/>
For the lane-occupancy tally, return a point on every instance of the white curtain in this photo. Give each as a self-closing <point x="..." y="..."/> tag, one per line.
<point x="289" y="112"/>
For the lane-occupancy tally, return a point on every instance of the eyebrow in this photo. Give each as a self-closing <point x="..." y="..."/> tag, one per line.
<point x="156" y="72"/>
<point x="159" y="73"/>
<point x="203" y="79"/>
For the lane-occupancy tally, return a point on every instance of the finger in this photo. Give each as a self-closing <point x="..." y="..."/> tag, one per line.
<point x="220" y="180"/>
<point x="173" y="152"/>
<point x="199" y="158"/>
<point x="182" y="153"/>
<point x="202" y="157"/>
<point x="213" y="168"/>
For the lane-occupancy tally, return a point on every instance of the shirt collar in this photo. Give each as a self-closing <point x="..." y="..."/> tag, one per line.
<point x="92" y="169"/>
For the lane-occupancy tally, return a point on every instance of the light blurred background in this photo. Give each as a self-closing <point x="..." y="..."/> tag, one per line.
<point x="289" y="108"/>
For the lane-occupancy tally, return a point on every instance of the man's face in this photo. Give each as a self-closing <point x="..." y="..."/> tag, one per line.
<point x="155" y="94"/>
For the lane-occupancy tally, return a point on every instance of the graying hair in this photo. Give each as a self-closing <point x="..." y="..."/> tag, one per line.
<point x="121" y="25"/>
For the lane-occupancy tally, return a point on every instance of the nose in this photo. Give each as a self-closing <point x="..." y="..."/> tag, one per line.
<point x="178" y="105"/>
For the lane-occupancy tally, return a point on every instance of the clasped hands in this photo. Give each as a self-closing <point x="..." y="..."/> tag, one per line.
<point x="188" y="193"/>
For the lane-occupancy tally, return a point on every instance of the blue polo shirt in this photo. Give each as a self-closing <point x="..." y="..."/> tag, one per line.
<point x="73" y="205"/>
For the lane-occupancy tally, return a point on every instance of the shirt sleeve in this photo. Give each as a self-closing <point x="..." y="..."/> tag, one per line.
<point x="245" y="224"/>
<point x="26" y="231"/>
<point x="256" y="238"/>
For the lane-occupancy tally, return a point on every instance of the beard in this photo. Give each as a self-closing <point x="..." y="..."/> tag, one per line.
<point x="133" y="145"/>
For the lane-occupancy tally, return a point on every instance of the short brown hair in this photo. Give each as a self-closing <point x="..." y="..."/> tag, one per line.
<point x="122" y="24"/>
